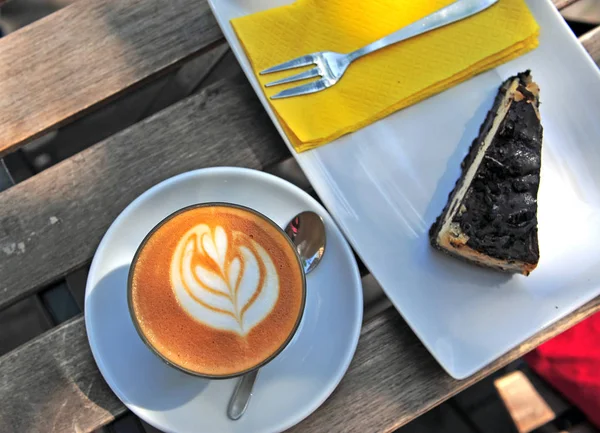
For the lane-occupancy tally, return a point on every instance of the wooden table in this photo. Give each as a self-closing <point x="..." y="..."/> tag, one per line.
<point x="66" y="65"/>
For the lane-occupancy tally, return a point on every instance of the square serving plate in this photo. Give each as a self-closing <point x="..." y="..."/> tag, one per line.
<point x="386" y="184"/>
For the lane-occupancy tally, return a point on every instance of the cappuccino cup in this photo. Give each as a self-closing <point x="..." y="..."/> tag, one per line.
<point x="216" y="290"/>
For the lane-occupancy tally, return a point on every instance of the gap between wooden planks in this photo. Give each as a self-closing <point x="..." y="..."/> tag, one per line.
<point x="52" y="384"/>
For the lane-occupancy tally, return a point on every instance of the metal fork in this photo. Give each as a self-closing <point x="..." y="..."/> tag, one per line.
<point x="330" y="66"/>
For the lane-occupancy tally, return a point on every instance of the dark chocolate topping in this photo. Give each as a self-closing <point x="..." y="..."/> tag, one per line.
<point x="498" y="211"/>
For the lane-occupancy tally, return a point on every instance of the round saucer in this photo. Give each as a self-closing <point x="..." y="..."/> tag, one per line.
<point x="290" y="387"/>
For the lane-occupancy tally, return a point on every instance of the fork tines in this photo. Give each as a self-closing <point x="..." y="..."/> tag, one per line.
<point x="303" y="89"/>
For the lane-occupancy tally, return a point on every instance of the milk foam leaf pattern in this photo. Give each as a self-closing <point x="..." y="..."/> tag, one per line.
<point x="197" y="287"/>
<point x="216" y="246"/>
<point x="234" y="271"/>
<point x="250" y="279"/>
<point x="225" y="280"/>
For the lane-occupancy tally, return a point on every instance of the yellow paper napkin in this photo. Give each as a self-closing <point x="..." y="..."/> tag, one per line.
<point x="385" y="81"/>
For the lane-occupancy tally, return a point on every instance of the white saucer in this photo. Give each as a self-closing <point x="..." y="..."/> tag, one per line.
<point x="291" y="386"/>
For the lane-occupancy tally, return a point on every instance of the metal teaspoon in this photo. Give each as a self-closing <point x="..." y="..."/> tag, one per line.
<point x="307" y="232"/>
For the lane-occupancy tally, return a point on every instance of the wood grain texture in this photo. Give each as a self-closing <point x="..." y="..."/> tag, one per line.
<point x="59" y="67"/>
<point x="52" y="384"/>
<point x="561" y="4"/>
<point x="124" y="111"/>
<point x="56" y="219"/>
<point x="103" y="48"/>
<point x="189" y="78"/>
<point x="393" y="378"/>
<point x="591" y="42"/>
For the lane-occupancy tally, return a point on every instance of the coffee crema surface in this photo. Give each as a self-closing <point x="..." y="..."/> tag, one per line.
<point x="217" y="290"/>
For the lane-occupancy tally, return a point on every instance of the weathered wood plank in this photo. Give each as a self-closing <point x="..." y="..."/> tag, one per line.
<point x="125" y="110"/>
<point x="48" y="81"/>
<point x="52" y="383"/>
<point x="56" y="219"/>
<point x="57" y="68"/>
<point x="591" y="42"/>
<point x="189" y="78"/>
<point x="394" y="379"/>
<point x="386" y="346"/>
<point x="561" y="4"/>
<point x="24" y="233"/>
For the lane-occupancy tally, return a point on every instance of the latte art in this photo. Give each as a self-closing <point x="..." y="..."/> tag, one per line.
<point x="226" y="280"/>
<point x="216" y="290"/>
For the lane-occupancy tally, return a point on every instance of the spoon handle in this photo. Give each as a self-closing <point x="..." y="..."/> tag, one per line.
<point x="307" y="232"/>
<point x="241" y="395"/>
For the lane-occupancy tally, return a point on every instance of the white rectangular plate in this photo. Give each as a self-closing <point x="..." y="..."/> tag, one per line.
<point x="386" y="184"/>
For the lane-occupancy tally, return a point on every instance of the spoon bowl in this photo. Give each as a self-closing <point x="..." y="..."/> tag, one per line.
<point x="307" y="232"/>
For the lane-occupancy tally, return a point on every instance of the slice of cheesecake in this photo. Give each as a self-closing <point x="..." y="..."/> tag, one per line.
<point x="491" y="215"/>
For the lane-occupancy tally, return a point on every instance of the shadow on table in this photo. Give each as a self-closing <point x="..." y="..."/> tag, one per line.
<point x="133" y="371"/>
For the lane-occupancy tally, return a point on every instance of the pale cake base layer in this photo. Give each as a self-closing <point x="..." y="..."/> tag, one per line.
<point x="455" y="242"/>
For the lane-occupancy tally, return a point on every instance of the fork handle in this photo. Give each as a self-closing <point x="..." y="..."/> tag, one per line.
<point x="456" y="11"/>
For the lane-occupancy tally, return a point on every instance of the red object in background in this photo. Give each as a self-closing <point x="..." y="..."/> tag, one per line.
<point x="570" y="362"/>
